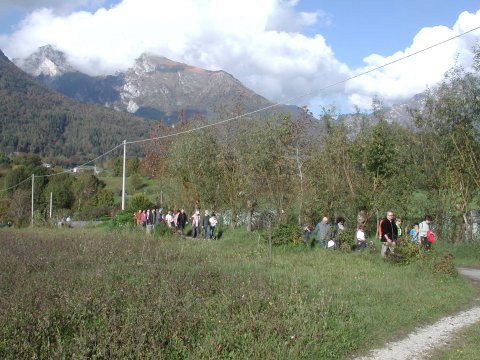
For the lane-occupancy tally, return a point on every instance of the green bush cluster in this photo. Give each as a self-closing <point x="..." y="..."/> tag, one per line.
<point x="407" y="252"/>
<point x="285" y="234"/>
<point x="445" y="265"/>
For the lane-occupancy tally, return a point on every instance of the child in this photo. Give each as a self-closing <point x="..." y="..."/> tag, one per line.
<point x="414" y="233"/>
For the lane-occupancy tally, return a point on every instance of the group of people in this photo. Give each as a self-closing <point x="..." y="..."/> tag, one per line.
<point x="178" y="220"/>
<point x="389" y="231"/>
<point x="324" y="236"/>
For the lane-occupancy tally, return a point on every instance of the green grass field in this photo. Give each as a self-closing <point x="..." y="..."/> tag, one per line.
<point x="107" y="294"/>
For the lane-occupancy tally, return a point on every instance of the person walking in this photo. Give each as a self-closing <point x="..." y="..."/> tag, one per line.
<point x="195" y="223"/>
<point x="321" y="232"/>
<point x="205" y="224"/>
<point x="361" y="240"/>
<point x="212" y="223"/>
<point x="423" y="228"/>
<point x="181" y="221"/>
<point x="388" y="234"/>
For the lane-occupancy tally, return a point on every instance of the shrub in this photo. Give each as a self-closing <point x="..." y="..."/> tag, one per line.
<point x="92" y="213"/>
<point x="123" y="219"/>
<point x="162" y="229"/>
<point x="445" y="265"/>
<point x="285" y="234"/>
<point x="405" y="253"/>
<point x="347" y="240"/>
<point x="138" y="202"/>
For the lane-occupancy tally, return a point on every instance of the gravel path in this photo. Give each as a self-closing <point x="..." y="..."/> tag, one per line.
<point x="421" y="342"/>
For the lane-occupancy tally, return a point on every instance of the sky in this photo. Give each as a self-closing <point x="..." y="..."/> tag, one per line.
<point x="289" y="51"/>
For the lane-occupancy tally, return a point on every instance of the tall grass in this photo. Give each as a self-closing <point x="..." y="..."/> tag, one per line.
<point x="98" y="293"/>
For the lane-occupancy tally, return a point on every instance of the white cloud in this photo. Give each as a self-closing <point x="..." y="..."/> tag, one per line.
<point x="403" y="79"/>
<point x="260" y="42"/>
<point x="60" y="6"/>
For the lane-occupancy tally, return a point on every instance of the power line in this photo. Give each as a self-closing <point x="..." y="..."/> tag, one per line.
<point x="62" y="172"/>
<point x="14" y="186"/>
<point x="88" y="162"/>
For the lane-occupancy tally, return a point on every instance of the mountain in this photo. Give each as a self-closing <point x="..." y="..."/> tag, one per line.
<point x="155" y="87"/>
<point x="35" y="119"/>
<point x="46" y="61"/>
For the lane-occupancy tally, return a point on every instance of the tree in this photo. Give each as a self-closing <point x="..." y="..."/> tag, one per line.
<point x="61" y="187"/>
<point x="451" y="133"/>
<point x="20" y="207"/>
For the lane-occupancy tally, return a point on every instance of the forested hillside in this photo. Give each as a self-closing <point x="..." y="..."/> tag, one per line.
<point x="36" y="120"/>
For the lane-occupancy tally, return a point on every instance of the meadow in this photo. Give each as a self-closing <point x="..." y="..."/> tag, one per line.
<point x="103" y="293"/>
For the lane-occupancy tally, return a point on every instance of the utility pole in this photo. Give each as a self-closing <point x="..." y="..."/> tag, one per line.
<point x="124" y="171"/>
<point x="51" y="203"/>
<point x="33" y="187"/>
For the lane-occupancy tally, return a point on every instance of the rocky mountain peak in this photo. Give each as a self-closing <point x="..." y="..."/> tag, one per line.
<point x="46" y="61"/>
<point x="148" y="63"/>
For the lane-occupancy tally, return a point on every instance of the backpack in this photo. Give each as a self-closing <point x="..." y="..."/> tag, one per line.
<point x="430" y="236"/>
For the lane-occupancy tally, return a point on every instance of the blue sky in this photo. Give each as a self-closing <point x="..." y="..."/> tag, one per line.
<point x="286" y="50"/>
<point x="361" y="27"/>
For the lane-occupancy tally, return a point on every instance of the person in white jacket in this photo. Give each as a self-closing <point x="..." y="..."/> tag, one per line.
<point x="212" y="222"/>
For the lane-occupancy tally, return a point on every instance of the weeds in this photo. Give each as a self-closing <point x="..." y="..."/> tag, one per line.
<point x="101" y="294"/>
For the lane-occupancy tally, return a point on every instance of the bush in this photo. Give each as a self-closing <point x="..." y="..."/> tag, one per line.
<point x="347" y="240"/>
<point x="162" y="229"/>
<point x="138" y="202"/>
<point x="92" y="213"/>
<point x="285" y="234"/>
<point x="123" y="219"/>
<point x="406" y="252"/>
<point x="445" y="266"/>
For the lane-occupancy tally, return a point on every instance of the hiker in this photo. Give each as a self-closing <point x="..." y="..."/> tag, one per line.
<point x="414" y="234"/>
<point x="321" y="232"/>
<point x="212" y="223"/>
<point x="338" y="227"/>
<point x="307" y="230"/>
<point x="361" y="241"/>
<point x="195" y="223"/>
<point x="398" y="224"/>
<point x="181" y="221"/>
<point x="205" y="224"/>
<point x="388" y="234"/>
<point x="423" y="228"/>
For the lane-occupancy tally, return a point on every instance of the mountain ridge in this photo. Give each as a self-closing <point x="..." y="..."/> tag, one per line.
<point x="37" y="120"/>
<point x="155" y="87"/>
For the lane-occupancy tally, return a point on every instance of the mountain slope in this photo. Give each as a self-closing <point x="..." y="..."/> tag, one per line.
<point x="34" y="119"/>
<point x="155" y="87"/>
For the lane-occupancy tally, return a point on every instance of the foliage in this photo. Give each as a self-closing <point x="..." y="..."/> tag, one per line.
<point x="92" y="213"/>
<point x="139" y="202"/>
<point x="102" y="198"/>
<point x="38" y="121"/>
<point x="4" y="159"/>
<point x="163" y="230"/>
<point x="445" y="265"/>
<point x="135" y="182"/>
<point x="61" y="187"/>
<point x="347" y="239"/>
<point x="407" y="252"/>
<point x="285" y="234"/>
<point x="123" y="219"/>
